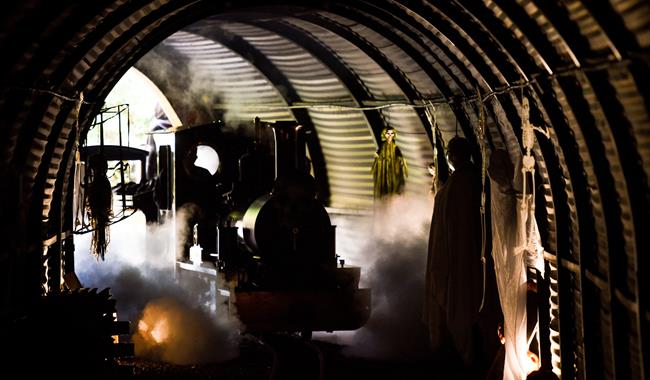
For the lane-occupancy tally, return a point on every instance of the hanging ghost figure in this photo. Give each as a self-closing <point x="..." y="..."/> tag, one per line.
<point x="389" y="170"/>
<point x="99" y="201"/>
<point x="516" y="244"/>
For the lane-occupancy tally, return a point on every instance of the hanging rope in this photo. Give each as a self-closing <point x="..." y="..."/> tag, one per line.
<point x="79" y="171"/>
<point x="430" y="111"/>
<point x="483" y="146"/>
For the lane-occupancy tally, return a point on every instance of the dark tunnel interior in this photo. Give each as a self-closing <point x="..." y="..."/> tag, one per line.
<point x="564" y="82"/>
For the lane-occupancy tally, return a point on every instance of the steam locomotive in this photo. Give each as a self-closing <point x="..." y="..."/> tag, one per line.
<point x="260" y="234"/>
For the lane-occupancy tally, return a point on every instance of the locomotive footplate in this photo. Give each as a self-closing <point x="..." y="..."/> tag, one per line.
<point x="303" y="310"/>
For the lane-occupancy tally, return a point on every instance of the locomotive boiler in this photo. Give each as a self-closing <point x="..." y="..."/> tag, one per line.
<point x="269" y="237"/>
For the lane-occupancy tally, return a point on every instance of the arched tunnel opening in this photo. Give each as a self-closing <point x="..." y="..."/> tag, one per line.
<point x="489" y="71"/>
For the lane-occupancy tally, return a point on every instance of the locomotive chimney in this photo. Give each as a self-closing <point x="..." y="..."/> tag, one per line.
<point x="290" y="156"/>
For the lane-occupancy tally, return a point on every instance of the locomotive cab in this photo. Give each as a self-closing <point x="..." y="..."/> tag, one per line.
<point x="276" y="256"/>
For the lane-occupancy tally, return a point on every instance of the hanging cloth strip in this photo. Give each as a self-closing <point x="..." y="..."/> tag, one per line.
<point x="483" y="145"/>
<point x="430" y="111"/>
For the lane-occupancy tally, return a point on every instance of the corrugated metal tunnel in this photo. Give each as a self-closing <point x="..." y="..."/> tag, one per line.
<point x="348" y="69"/>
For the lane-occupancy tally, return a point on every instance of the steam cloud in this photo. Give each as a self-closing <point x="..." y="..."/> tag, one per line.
<point x="390" y="246"/>
<point x="393" y="260"/>
<point x="139" y="270"/>
<point x="202" y="95"/>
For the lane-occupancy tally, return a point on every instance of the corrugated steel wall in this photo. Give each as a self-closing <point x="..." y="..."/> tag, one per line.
<point x="349" y="69"/>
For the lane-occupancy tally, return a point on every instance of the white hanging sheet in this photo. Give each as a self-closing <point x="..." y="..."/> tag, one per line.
<point x="515" y="244"/>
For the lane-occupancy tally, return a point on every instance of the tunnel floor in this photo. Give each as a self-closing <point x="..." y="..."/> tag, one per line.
<point x="255" y="362"/>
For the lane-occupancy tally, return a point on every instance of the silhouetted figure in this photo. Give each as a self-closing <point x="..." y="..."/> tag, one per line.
<point x="256" y="174"/>
<point x="152" y="158"/>
<point x="161" y="121"/>
<point x="196" y="172"/>
<point x="454" y="274"/>
<point x="203" y="194"/>
<point x="542" y="374"/>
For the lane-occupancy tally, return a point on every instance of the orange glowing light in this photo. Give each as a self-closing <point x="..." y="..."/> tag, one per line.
<point x="143" y="326"/>
<point x="160" y="331"/>
<point x="533" y="364"/>
<point x="116" y="338"/>
<point x="154" y="326"/>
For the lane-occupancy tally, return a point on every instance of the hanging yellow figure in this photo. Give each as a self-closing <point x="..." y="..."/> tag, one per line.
<point x="389" y="171"/>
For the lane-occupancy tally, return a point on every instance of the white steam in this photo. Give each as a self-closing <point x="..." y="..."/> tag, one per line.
<point x="390" y="246"/>
<point x="140" y="271"/>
